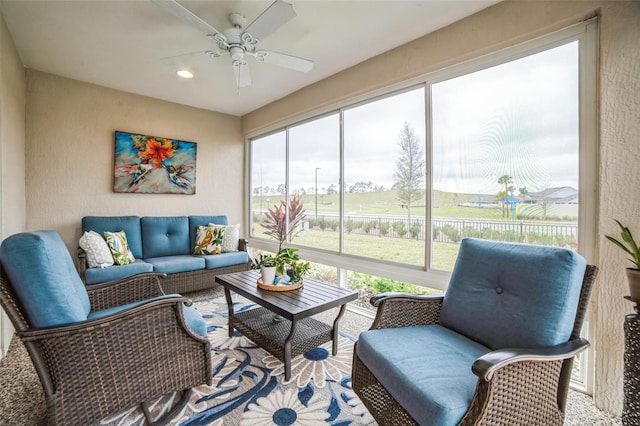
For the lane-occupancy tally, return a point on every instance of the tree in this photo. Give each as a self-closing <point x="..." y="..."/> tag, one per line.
<point x="503" y="196"/>
<point x="410" y="168"/>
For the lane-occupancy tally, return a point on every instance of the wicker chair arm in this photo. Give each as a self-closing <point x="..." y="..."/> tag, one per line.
<point x="487" y="365"/>
<point x="405" y="310"/>
<point x="125" y="290"/>
<point x="97" y="324"/>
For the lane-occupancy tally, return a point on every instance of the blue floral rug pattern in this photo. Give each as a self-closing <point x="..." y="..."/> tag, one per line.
<point x="248" y="383"/>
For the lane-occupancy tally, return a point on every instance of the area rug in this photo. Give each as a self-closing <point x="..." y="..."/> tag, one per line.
<point x="249" y="388"/>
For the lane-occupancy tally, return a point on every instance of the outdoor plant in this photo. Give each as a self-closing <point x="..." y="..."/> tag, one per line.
<point x="628" y="244"/>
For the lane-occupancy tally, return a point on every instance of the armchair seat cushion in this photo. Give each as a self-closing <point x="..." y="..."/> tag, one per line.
<point x="437" y="395"/>
<point x="99" y="275"/>
<point x="175" y="264"/>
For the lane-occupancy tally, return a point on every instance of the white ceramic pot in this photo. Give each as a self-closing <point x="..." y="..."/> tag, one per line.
<point x="268" y="274"/>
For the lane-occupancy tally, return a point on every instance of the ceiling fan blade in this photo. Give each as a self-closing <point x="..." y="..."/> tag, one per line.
<point x="187" y="16"/>
<point x="241" y="71"/>
<point x="283" y="60"/>
<point x="270" y="20"/>
<point x="193" y="58"/>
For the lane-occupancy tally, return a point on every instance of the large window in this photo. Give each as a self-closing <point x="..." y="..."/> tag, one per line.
<point x="506" y="153"/>
<point x="500" y="148"/>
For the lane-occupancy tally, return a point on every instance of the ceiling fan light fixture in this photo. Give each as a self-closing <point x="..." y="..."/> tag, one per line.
<point x="183" y="73"/>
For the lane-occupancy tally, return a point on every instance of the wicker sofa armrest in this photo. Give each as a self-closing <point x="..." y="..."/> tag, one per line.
<point x="487" y="365"/>
<point x="243" y="243"/>
<point x="125" y="290"/>
<point x="405" y="310"/>
<point x="82" y="262"/>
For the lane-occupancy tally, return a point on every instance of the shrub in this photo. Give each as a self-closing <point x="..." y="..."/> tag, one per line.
<point x="415" y="229"/>
<point x="399" y="228"/>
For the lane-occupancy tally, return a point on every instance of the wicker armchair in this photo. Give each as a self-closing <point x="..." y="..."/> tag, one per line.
<point x="117" y="358"/>
<point x="514" y="386"/>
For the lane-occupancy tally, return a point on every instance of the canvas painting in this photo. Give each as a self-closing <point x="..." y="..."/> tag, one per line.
<point x="154" y="165"/>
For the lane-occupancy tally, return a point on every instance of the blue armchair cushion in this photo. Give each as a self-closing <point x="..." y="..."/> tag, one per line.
<point x="427" y="369"/>
<point x="175" y="264"/>
<point x="507" y="295"/>
<point x="129" y="224"/>
<point x="44" y="278"/>
<point x="192" y="317"/>
<point x="165" y="236"/>
<point x="99" y="275"/>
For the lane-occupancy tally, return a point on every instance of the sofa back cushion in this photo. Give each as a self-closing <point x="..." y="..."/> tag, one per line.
<point x="44" y="278"/>
<point x="129" y="224"/>
<point x="195" y="221"/>
<point x="165" y="236"/>
<point x="506" y="295"/>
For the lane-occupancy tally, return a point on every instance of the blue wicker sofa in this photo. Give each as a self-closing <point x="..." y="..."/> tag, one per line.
<point x="164" y="244"/>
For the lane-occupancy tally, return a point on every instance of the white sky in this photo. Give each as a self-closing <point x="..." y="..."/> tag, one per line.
<point x="518" y="118"/>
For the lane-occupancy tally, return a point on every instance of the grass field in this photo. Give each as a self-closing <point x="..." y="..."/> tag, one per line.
<point x="385" y="203"/>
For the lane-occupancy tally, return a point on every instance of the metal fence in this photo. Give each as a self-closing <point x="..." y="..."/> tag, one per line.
<point x="446" y="230"/>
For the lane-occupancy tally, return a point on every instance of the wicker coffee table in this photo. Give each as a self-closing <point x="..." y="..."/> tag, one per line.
<point x="297" y="332"/>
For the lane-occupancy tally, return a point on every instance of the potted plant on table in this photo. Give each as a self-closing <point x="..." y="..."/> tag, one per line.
<point x="266" y="263"/>
<point x="629" y="246"/>
<point x="278" y="227"/>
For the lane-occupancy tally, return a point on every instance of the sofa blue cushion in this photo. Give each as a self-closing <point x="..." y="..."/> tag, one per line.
<point x="427" y="369"/>
<point x="175" y="264"/>
<point x="195" y="221"/>
<point x="506" y="295"/>
<point x="129" y="224"/>
<point x="115" y="272"/>
<point x="44" y="278"/>
<point x="226" y="259"/>
<point x="165" y="236"/>
<point x="192" y="317"/>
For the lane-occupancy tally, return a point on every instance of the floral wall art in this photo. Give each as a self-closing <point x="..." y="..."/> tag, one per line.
<point x="154" y="165"/>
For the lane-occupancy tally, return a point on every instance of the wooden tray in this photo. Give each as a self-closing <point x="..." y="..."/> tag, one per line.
<point x="275" y="287"/>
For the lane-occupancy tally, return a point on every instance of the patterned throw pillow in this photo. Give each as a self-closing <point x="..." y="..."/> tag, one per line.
<point x="208" y="240"/>
<point x="98" y="253"/>
<point x="231" y="237"/>
<point x="117" y="242"/>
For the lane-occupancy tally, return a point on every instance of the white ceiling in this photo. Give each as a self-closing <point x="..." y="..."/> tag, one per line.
<point x="120" y="44"/>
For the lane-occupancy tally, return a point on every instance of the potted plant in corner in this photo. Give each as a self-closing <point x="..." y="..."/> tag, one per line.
<point x="630" y="246"/>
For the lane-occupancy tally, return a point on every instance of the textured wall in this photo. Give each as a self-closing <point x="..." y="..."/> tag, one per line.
<point x="503" y="25"/>
<point x="619" y="182"/>
<point x="12" y="143"/>
<point x="70" y="152"/>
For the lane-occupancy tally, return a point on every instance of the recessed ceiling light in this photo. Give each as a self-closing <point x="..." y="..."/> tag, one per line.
<point x="185" y="74"/>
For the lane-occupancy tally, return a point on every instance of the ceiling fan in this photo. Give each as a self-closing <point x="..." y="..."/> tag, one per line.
<point x="240" y="42"/>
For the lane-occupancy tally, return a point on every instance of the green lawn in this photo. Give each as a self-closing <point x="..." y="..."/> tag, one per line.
<point x="385" y="203"/>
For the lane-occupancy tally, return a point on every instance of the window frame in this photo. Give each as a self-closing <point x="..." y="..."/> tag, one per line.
<point x="584" y="32"/>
